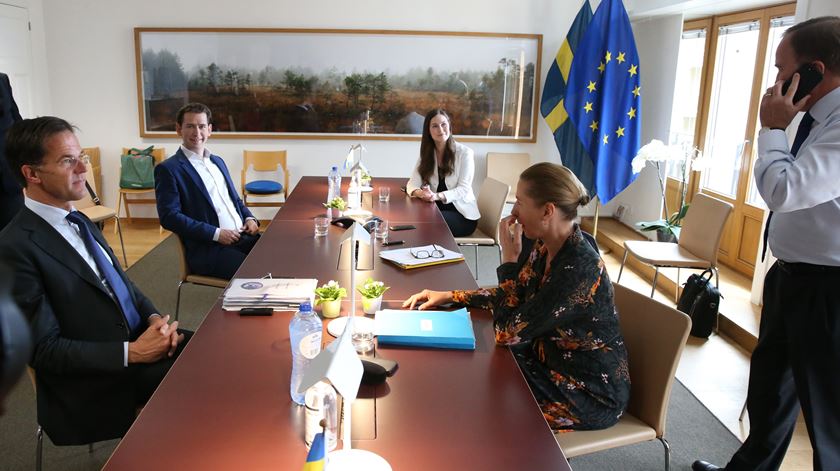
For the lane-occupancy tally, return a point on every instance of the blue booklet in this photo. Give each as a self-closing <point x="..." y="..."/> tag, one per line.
<point x="435" y="329"/>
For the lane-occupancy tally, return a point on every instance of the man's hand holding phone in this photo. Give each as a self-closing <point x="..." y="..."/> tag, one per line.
<point x="785" y="99"/>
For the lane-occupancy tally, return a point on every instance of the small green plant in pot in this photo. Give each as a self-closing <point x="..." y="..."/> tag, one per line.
<point x="372" y="292"/>
<point x="328" y="296"/>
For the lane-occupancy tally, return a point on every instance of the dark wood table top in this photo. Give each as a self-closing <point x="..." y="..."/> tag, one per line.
<point x="306" y="202"/>
<point x="225" y="403"/>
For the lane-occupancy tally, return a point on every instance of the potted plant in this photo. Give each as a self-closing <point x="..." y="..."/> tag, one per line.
<point x="688" y="159"/>
<point x="366" y="178"/>
<point x="371" y="292"/>
<point x="335" y="207"/>
<point x="328" y="296"/>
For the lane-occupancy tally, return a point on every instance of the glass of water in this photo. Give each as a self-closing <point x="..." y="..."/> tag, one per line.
<point x="322" y="226"/>
<point x="362" y="337"/>
<point x="380" y="231"/>
<point x="384" y="194"/>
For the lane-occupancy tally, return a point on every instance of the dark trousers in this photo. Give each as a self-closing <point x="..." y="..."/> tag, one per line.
<point x="458" y="224"/>
<point x="231" y="257"/>
<point x="795" y="363"/>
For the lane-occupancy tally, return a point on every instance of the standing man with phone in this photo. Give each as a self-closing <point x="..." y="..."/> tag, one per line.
<point x="795" y="362"/>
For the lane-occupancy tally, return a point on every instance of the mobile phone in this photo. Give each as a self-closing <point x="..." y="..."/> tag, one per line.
<point x="809" y="77"/>
<point x="256" y="311"/>
<point x="402" y="227"/>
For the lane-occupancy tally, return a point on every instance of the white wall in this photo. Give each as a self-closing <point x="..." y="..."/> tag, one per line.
<point x="90" y="56"/>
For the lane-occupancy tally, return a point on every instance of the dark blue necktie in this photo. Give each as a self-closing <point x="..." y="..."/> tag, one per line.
<point x="801" y="134"/>
<point x="115" y="281"/>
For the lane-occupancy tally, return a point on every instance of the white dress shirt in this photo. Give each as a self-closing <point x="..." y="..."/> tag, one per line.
<point x="216" y="186"/>
<point x="803" y="191"/>
<point x="57" y="218"/>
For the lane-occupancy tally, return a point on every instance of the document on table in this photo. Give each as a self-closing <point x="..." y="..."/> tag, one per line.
<point x="413" y="257"/>
<point x="277" y="293"/>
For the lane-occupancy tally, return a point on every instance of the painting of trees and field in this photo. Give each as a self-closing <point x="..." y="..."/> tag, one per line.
<point x="269" y="84"/>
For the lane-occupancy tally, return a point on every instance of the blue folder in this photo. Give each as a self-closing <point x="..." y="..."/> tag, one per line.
<point x="435" y="329"/>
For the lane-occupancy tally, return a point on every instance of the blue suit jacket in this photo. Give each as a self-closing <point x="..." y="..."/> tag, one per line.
<point x="185" y="208"/>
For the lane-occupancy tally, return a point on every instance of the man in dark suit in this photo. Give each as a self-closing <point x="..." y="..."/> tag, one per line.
<point x="196" y="199"/>
<point x="11" y="195"/>
<point x="100" y="347"/>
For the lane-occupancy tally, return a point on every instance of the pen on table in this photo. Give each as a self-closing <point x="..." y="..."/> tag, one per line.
<point x="393" y="242"/>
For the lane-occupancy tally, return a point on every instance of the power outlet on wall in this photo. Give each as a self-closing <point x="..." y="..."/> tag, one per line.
<point x="620" y="211"/>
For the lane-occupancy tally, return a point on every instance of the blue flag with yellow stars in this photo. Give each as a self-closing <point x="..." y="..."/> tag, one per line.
<point x="572" y="153"/>
<point x="603" y="98"/>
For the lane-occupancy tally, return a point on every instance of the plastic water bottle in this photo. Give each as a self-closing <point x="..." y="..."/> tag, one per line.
<point x="305" y="335"/>
<point x="334" y="182"/>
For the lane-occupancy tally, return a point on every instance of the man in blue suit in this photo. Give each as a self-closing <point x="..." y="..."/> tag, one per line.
<point x="196" y="199"/>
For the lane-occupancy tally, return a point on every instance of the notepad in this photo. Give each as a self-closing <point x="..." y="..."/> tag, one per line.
<point x="406" y="257"/>
<point x="434" y="329"/>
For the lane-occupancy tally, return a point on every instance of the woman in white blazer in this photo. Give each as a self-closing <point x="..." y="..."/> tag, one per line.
<point x="444" y="175"/>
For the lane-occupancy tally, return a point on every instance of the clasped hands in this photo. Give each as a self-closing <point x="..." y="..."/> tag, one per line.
<point x="159" y="340"/>
<point x="230" y="236"/>
<point x="777" y="110"/>
<point x="425" y="193"/>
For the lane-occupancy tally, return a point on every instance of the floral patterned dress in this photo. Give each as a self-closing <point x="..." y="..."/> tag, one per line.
<point x="562" y="327"/>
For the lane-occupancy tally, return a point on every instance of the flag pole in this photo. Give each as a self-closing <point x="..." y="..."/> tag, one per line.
<point x="597" y="212"/>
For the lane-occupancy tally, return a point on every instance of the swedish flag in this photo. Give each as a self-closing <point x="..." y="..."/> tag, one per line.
<point x="603" y="98"/>
<point x="565" y="134"/>
<point x="317" y="452"/>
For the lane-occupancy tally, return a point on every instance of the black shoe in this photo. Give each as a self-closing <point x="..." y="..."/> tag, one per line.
<point x="701" y="465"/>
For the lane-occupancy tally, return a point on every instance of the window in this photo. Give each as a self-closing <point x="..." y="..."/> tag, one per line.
<point x="687" y="92"/>
<point x="778" y="26"/>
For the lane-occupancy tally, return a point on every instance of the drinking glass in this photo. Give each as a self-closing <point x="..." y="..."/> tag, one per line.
<point x="362" y="337"/>
<point x="384" y="194"/>
<point x="380" y="231"/>
<point x="322" y="226"/>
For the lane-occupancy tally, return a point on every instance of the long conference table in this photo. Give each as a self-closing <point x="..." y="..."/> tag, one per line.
<point x="225" y="403"/>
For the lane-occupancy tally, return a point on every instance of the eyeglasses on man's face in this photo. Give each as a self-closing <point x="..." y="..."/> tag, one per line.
<point x="68" y="162"/>
<point x="423" y="253"/>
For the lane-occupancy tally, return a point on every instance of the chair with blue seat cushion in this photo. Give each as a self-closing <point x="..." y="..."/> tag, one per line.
<point x="265" y="191"/>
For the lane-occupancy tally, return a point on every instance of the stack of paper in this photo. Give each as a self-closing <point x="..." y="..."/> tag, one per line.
<point x="408" y="257"/>
<point x="276" y="293"/>
<point x="436" y="329"/>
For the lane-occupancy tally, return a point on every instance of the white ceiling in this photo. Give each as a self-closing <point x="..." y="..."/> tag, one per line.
<point x="691" y="9"/>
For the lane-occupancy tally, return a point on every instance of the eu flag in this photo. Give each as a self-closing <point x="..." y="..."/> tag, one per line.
<point x="572" y="153"/>
<point x="603" y="98"/>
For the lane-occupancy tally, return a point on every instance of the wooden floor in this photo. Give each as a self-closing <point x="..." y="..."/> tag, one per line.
<point x="714" y="370"/>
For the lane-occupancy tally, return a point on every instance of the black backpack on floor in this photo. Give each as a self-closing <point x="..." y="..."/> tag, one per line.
<point x="700" y="299"/>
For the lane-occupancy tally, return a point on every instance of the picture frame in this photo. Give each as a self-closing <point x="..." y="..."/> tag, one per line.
<point x="339" y="84"/>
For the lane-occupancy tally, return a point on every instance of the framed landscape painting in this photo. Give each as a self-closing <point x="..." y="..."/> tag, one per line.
<point x="338" y="84"/>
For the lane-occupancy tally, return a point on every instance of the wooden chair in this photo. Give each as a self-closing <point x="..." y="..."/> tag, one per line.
<point x="96" y="212"/>
<point x="654" y="335"/>
<point x="264" y="161"/>
<point x="698" y="244"/>
<point x="491" y="202"/>
<point x="187" y="277"/>
<point x="506" y="167"/>
<point x="158" y="153"/>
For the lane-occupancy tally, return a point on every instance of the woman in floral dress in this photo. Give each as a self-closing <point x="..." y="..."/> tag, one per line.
<point x="554" y="305"/>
